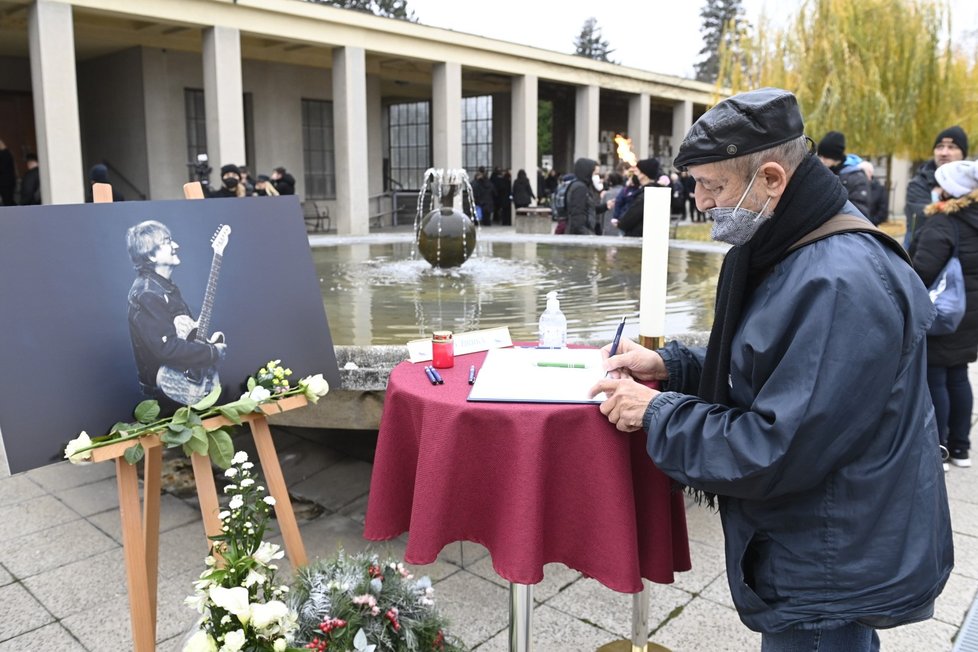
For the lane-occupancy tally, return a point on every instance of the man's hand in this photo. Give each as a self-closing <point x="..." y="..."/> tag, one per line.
<point x="217" y="339"/>
<point x="626" y="403"/>
<point x="634" y="360"/>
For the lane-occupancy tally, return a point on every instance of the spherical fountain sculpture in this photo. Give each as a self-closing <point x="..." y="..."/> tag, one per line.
<point x="445" y="235"/>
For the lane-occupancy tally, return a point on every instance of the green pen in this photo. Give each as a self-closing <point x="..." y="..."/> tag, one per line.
<point x="563" y="365"/>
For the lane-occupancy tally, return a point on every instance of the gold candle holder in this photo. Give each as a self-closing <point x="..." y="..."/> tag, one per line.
<point x="653" y="342"/>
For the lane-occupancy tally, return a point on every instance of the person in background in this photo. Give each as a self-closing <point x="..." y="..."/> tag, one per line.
<point x="879" y="202"/>
<point x="949" y="146"/>
<point x="689" y="183"/>
<point x="484" y="197"/>
<point x="522" y="190"/>
<point x="953" y="219"/>
<point x="804" y="418"/>
<point x="249" y="186"/>
<point x="283" y="181"/>
<point x="264" y="187"/>
<point x="8" y="176"/>
<point x="832" y="152"/>
<point x="614" y="184"/>
<point x="550" y="185"/>
<point x="30" y="184"/>
<point x="100" y="174"/>
<point x="649" y="173"/>
<point x="677" y="204"/>
<point x="230" y="183"/>
<point x="584" y="205"/>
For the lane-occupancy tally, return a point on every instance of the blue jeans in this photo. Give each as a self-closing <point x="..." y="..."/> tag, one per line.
<point x="951" y="392"/>
<point x="850" y="638"/>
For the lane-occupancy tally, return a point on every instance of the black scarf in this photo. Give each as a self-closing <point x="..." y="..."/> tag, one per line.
<point x="813" y="195"/>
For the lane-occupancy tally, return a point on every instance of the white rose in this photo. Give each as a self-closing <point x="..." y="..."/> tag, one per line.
<point x="314" y="387"/>
<point x="234" y="601"/>
<point x="81" y="441"/>
<point x="233" y="641"/>
<point x="200" y="642"/>
<point x="239" y="458"/>
<point x="259" y="394"/>
<point x="263" y="615"/>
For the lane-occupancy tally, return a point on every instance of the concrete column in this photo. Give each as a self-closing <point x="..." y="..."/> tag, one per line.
<point x="682" y="120"/>
<point x="349" y="113"/>
<point x="587" y="110"/>
<point x="638" y="124"/>
<point x="446" y="115"/>
<point x="223" y="100"/>
<point x="524" y="135"/>
<point x="375" y="137"/>
<point x="51" y="39"/>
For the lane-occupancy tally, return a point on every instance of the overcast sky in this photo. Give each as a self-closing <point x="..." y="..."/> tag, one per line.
<point x="657" y="35"/>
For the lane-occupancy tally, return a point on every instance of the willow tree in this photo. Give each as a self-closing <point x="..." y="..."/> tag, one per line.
<point x="884" y="72"/>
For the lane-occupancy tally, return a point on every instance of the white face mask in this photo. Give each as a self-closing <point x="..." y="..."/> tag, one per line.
<point x="737" y="225"/>
<point x="596" y="180"/>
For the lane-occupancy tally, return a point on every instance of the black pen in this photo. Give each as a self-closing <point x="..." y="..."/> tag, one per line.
<point x="617" y="341"/>
<point x="472" y="375"/>
<point x="438" y="378"/>
<point x="429" y="372"/>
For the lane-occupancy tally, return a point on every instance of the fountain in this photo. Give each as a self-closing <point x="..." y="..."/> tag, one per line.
<point x="445" y="235"/>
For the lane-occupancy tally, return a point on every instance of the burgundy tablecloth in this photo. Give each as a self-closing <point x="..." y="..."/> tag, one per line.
<point x="533" y="483"/>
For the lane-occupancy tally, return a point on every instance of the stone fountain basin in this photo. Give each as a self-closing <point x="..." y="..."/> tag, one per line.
<point x="359" y="403"/>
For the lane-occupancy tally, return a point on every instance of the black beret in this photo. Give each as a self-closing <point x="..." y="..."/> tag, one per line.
<point x="742" y="124"/>
<point x="650" y="167"/>
<point x="833" y="146"/>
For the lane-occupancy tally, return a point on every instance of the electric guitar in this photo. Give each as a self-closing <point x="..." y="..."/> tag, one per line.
<point x="188" y="386"/>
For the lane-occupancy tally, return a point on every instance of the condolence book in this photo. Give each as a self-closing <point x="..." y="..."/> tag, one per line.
<point x="539" y="376"/>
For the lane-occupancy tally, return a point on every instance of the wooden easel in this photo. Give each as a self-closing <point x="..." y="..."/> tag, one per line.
<point x="141" y="532"/>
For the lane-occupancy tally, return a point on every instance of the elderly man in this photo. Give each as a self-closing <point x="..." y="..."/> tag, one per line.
<point x="949" y="146"/>
<point x="807" y="415"/>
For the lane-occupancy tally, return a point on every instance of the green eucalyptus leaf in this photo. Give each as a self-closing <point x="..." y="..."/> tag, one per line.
<point x="174" y="438"/>
<point x="209" y="400"/>
<point x="121" y="426"/>
<point x="245" y="405"/>
<point x="134" y="453"/>
<point x="221" y="448"/>
<point x="196" y="445"/>
<point x="230" y="414"/>
<point x="199" y="433"/>
<point x="181" y="415"/>
<point x="147" y="411"/>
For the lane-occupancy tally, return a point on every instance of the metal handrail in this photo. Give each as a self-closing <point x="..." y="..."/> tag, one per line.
<point x="124" y="178"/>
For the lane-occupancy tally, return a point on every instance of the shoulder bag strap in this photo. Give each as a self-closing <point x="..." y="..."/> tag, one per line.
<point x="843" y="223"/>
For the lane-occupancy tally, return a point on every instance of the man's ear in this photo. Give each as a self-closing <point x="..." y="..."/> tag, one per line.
<point x="773" y="178"/>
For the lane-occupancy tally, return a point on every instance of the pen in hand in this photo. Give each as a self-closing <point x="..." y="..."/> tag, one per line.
<point x="616" y="341"/>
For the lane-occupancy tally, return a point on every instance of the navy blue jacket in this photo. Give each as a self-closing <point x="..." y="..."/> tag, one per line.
<point x="829" y="479"/>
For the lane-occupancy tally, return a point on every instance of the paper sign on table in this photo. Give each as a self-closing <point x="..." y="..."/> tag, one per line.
<point x="490" y="338"/>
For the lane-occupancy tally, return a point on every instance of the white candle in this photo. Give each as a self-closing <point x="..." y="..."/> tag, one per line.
<point x="655" y="262"/>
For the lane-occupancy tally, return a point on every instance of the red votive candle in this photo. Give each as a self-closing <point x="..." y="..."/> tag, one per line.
<point x="442" y="350"/>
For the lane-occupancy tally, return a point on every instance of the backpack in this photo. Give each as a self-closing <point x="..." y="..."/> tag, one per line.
<point x="559" y="202"/>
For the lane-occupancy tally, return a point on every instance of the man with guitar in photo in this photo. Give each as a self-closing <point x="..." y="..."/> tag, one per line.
<point x="175" y="359"/>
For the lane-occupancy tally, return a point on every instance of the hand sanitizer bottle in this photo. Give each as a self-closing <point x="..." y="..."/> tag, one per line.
<point x="553" y="325"/>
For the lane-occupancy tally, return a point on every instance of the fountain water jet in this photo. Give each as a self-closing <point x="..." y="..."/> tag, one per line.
<point x="445" y="235"/>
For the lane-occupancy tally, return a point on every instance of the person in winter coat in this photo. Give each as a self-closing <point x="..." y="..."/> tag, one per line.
<point x="832" y="152"/>
<point x="583" y="203"/>
<point x="649" y="173"/>
<point x="522" y="190"/>
<point x="484" y="197"/>
<point x="951" y="145"/>
<point x="804" y="416"/>
<point x="954" y="219"/>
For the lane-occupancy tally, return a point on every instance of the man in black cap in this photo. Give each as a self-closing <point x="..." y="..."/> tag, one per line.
<point x="807" y="416"/>
<point x="649" y="173"/>
<point x="949" y="146"/>
<point x="230" y="183"/>
<point x="832" y="152"/>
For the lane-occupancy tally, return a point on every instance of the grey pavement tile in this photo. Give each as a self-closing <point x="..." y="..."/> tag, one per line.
<point x="498" y="643"/>
<point x="182" y="551"/>
<point x="49" y="637"/>
<point x="703" y="525"/>
<point x="476" y="609"/>
<point x="33" y="515"/>
<point x="76" y="587"/>
<point x="63" y="544"/>
<point x="556" y="577"/>
<point x="953" y="603"/>
<point x="707" y="564"/>
<point x="593" y="602"/>
<point x="719" y="592"/>
<point x="961" y="483"/>
<point x="5" y="577"/>
<point x="337" y="485"/>
<point x="20" y="612"/>
<point x="301" y="462"/>
<point x="174" y="512"/>
<point x="18" y="488"/>
<point x="395" y="548"/>
<point x="65" y="475"/>
<point x="964" y="517"/>
<point x="930" y="635"/>
<point x="702" y="625"/>
<point x="966" y="556"/>
<point x="553" y="630"/>
<point x="463" y="553"/>
<point x="357" y="510"/>
<point x="92" y="498"/>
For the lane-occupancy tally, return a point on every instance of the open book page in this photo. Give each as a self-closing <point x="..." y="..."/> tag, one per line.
<point x="539" y="376"/>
